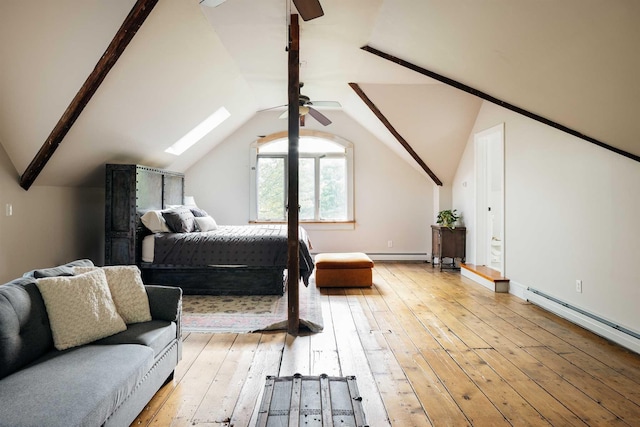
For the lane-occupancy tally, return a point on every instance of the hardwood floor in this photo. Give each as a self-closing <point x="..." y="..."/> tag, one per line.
<point x="427" y="348"/>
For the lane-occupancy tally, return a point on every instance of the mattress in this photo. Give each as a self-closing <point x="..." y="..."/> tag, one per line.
<point x="251" y="245"/>
<point x="148" y="246"/>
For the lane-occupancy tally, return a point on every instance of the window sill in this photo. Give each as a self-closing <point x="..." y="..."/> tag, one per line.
<point x="317" y="225"/>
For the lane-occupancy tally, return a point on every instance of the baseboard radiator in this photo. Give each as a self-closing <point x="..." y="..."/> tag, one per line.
<point x="592" y="322"/>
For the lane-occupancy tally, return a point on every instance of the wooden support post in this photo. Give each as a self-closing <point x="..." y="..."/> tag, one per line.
<point x="130" y="26"/>
<point x="293" y="265"/>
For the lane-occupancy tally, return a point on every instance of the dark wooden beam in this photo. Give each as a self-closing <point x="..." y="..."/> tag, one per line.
<point x="394" y="132"/>
<point x="499" y="102"/>
<point x="293" y="263"/>
<point x="132" y="23"/>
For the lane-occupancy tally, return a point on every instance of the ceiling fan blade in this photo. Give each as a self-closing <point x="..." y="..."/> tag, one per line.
<point x="212" y="3"/>
<point x="284" y="115"/>
<point x="325" y="104"/>
<point x="309" y="9"/>
<point x="272" y="108"/>
<point x="324" y="120"/>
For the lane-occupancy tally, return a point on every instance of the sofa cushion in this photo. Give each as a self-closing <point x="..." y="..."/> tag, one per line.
<point x="165" y="302"/>
<point x="127" y="291"/>
<point x="80" y="308"/>
<point x="61" y="270"/>
<point x="156" y="334"/>
<point x="25" y="334"/>
<point x="77" y="387"/>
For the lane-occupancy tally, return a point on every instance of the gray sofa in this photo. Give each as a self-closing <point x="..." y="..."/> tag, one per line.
<point x="106" y="382"/>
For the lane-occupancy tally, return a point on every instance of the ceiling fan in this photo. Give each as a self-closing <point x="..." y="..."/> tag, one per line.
<point x="307" y="106"/>
<point x="309" y="9"/>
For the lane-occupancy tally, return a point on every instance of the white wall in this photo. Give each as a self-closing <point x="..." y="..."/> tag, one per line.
<point x="392" y="200"/>
<point x="571" y="213"/>
<point x="49" y="225"/>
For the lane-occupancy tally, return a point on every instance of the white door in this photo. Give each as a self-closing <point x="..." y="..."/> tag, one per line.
<point x="489" y="153"/>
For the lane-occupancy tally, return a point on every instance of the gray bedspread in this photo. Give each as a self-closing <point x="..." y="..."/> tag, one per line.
<point x="251" y="245"/>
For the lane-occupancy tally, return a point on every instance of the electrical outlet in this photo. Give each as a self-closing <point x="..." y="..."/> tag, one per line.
<point x="8" y="209"/>
<point x="579" y="286"/>
<point x="390" y="244"/>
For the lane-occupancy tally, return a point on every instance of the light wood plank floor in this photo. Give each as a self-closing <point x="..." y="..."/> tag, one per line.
<point x="427" y="348"/>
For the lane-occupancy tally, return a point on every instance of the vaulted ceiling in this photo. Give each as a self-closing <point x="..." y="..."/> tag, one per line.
<point x="574" y="62"/>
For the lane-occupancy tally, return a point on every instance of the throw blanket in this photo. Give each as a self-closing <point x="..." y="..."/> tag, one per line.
<point x="251" y="245"/>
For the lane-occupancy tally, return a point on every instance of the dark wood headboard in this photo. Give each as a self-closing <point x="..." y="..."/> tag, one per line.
<point x="130" y="191"/>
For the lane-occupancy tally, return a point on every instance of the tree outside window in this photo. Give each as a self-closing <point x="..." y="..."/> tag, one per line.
<point x="324" y="179"/>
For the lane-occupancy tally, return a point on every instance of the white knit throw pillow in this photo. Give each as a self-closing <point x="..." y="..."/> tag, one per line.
<point x="127" y="290"/>
<point x="80" y="308"/>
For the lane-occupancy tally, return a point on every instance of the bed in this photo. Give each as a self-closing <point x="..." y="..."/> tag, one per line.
<point x="227" y="260"/>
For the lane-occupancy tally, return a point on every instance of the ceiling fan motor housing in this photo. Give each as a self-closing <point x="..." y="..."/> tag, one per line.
<point x="303" y="100"/>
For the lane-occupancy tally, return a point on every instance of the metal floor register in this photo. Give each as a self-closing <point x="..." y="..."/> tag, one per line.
<point x="311" y="401"/>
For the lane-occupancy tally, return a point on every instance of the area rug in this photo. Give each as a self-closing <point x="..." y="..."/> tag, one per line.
<point x="253" y="313"/>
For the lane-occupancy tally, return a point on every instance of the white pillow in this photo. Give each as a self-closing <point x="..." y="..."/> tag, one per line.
<point x="155" y="222"/>
<point x="127" y="290"/>
<point x="206" y="223"/>
<point x="80" y="308"/>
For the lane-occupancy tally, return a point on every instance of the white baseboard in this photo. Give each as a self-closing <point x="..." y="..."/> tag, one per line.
<point x="517" y="289"/>
<point x="396" y="256"/>
<point x="587" y="321"/>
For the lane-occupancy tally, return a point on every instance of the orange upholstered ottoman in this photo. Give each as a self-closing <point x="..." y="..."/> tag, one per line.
<point x="343" y="270"/>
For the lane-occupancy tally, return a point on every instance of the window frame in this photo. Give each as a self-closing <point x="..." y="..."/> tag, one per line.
<point x="348" y="156"/>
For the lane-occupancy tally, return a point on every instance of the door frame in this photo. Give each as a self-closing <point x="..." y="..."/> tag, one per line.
<point x="482" y="239"/>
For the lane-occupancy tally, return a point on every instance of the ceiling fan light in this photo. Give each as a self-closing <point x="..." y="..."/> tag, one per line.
<point x="303" y="110"/>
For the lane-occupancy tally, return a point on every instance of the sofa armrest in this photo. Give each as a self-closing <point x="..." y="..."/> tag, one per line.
<point x="165" y="303"/>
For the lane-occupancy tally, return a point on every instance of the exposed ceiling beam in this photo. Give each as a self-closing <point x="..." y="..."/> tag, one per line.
<point x="394" y="132"/>
<point x="293" y="262"/>
<point x="497" y="101"/>
<point x="130" y="26"/>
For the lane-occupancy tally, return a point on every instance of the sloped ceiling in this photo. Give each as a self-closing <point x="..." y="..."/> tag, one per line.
<point x="575" y="62"/>
<point x="572" y="62"/>
<point x="173" y="75"/>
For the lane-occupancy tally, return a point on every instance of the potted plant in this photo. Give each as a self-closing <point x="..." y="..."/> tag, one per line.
<point x="448" y="218"/>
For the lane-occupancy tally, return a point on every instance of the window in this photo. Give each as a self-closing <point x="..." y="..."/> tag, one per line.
<point x="325" y="178"/>
<point x="198" y="132"/>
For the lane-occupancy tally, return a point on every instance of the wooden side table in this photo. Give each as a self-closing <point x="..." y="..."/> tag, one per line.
<point x="448" y="243"/>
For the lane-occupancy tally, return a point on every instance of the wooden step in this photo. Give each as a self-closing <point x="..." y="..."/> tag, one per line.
<point x="487" y="277"/>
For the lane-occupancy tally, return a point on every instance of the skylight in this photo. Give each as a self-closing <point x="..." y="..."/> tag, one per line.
<point x="198" y="132"/>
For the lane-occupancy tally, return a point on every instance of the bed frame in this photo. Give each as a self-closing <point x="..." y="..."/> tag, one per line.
<point x="132" y="190"/>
